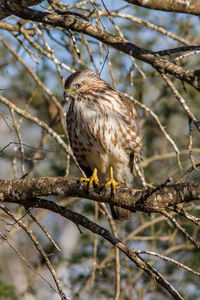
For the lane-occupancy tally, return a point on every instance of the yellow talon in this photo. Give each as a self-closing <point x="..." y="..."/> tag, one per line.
<point x="93" y="178"/>
<point x="113" y="182"/>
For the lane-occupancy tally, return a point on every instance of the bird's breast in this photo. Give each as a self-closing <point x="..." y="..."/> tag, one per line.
<point x="99" y="139"/>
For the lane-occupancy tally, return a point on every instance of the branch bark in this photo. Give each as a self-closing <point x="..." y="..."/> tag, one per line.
<point x="150" y="57"/>
<point x="184" y="6"/>
<point x="9" y="7"/>
<point x="70" y="22"/>
<point x="31" y="186"/>
<point x="22" y="191"/>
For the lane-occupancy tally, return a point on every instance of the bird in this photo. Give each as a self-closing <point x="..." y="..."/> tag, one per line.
<point x="103" y="132"/>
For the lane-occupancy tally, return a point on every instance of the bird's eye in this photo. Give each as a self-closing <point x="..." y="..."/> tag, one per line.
<point x="78" y="85"/>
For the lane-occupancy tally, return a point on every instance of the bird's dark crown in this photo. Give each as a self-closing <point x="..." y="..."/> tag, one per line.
<point x="79" y="75"/>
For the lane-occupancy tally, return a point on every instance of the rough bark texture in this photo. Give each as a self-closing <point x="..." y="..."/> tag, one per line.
<point x="78" y="219"/>
<point x="26" y="191"/>
<point x="182" y="6"/>
<point x="9" y="7"/>
<point x="22" y="191"/>
<point x="70" y="22"/>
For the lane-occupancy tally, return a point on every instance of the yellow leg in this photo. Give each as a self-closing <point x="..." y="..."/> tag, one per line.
<point x="92" y="179"/>
<point x="113" y="182"/>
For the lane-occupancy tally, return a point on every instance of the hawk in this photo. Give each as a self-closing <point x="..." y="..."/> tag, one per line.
<point x="103" y="132"/>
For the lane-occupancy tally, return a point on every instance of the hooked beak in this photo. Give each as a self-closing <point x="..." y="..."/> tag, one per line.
<point x="67" y="93"/>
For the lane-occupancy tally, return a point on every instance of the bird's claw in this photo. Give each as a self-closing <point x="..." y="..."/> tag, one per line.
<point x="93" y="179"/>
<point x="113" y="182"/>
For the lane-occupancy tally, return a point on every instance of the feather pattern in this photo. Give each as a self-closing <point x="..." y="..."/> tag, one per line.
<point x="102" y="127"/>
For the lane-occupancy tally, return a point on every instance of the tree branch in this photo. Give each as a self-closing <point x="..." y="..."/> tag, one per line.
<point x="70" y="22"/>
<point x="185" y="6"/>
<point x="23" y="191"/>
<point x="97" y="229"/>
<point x="8" y="7"/>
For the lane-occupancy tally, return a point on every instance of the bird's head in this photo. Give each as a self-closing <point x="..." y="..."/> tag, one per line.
<point x="83" y="83"/>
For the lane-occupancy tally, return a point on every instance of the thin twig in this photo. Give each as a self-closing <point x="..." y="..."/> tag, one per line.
<point x="4" y="238"/>
<point x="159" y="125"/>
<point x="147" y="24"/>
<point x="44" y="230"/>
<point x="169" y="259"/>
<point x="40" y="123"/>
<point x="113" y="227"/>
<point x="94" y="260"/>
<point x="188" y="216"/>
<point x="190" y="142"/>
<point x="177" y="225"/>
<point x="181" y="101"/>
<point x="39" y="248"/>
<point x="20" y="141"/>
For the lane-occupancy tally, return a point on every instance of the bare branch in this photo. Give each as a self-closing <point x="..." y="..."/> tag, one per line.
<point x="40" y="123"/>
<point x="93" y="227"/>
<point x="39" y="248"/>
<point x="147" y="24"/>
<point x="184" y="232"/>
<point x="188" y="6"/>
<point x="4" y="238"/>
<point x="69" y="22"/>
<point x="22" y="191"/>
<point x="11" y="7"/>
<point x="169" y="259"/>
<point x="182" y="101"/>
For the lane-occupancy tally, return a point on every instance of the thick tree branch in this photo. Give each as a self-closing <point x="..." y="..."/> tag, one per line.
<point x="184" y="6"/>
<point x="22" y="191"/>
<point x="9" y="7"/>
<point x="70" y="22"/>
<point x="26" y="192"/>
<point x="78" y="219"/>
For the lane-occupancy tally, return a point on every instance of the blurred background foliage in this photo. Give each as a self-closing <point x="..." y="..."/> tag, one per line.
<point x="159" y="159"/>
